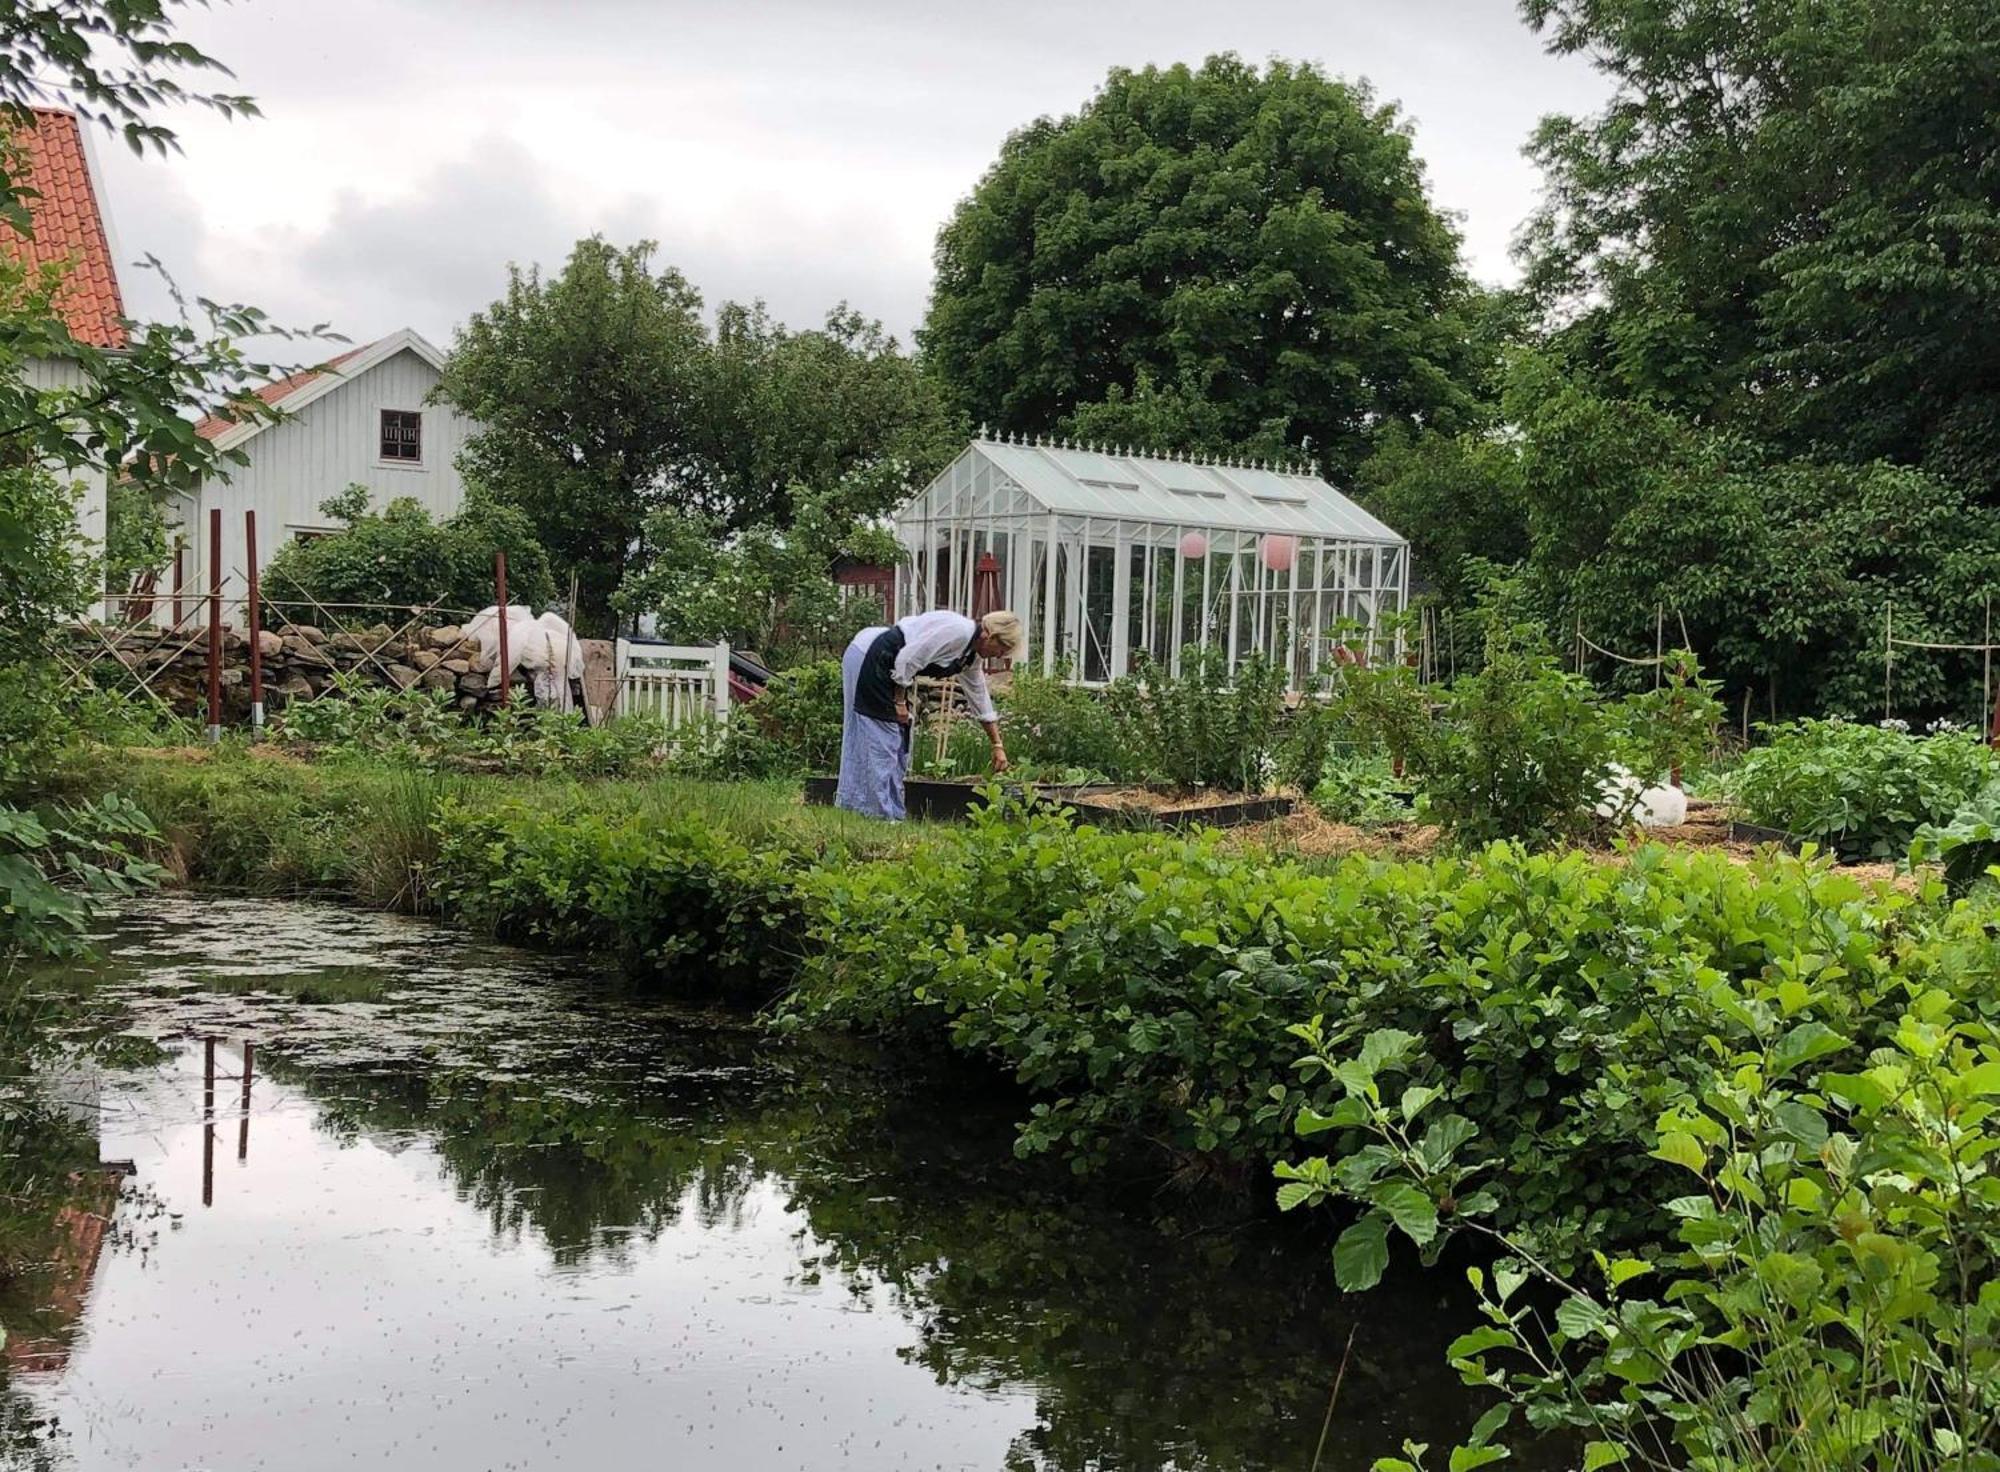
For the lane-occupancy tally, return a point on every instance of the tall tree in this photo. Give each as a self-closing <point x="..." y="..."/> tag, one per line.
<point x="1222" y="254"/>
<point x="838" y="405"/>
<point x="1787" y="219"/>
<point x="587" y="388"/>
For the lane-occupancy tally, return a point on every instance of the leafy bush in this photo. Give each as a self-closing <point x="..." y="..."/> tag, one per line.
<point x="1862" y="790"/>
<point x="1052" y="723"/>
<point x="57" y="869"/>
<point x="1521" y="750"/>
<point x="1829" y="1301"/>
<point x="1672" y="728"/>
<point x="680" y="901"/>
<point x="1204" y="727"/>
<point x="793" y="727"/>
<point x="425" y="728"/>
<point x="1363" y="791"/>
<point x="1146" y="986"/>
<point x="399" y="556"/>
<point x="1969" y="845"/>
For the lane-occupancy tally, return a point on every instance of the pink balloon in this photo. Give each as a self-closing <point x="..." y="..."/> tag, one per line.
<point x="1194" y="546"/>
<point x="1280" y="553"/>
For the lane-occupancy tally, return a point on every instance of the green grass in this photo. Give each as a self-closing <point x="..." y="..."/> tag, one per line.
<point x="257" y="822"/>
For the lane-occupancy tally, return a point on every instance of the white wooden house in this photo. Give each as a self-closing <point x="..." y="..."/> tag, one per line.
<point x="360" y="419"/>
<point x="64" y="193"/>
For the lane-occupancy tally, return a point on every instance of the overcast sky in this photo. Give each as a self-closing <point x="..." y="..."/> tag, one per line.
<point x="800" y="151"/>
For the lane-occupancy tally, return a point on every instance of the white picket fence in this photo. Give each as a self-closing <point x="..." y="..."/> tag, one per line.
<point x="674" y="684"/>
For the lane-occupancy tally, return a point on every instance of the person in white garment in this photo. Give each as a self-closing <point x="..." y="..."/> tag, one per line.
<point x="876" y="675"/>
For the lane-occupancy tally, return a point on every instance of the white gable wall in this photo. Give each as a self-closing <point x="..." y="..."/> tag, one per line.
<point x="331" y="443"/>
<point x="47" y="375"/>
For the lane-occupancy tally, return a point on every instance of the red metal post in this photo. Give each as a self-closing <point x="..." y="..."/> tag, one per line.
<point x="254" y="622"/>
<point x="214" y="625"/>
<point x="503" y="671"/>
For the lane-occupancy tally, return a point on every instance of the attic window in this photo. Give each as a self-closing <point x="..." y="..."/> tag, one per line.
<point x="1109" y="485"/>
<point x="1270" y="500"/>
<point x="402" y="435"/>
<point x="1199" y="491"/>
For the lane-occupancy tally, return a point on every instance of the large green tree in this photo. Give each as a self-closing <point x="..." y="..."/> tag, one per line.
<point x="605" y="402"/>
<point x="1786" y="220"/>
<point x="831" y="407"/>
<point x="587" y="386"/>
<point x="1218" y="256"/>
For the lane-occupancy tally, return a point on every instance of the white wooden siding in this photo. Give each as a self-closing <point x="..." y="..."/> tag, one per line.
<point x="331" y="443"/>
<point x="44" y="375"/>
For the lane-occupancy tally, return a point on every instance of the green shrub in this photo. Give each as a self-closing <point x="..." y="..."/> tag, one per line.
<point x="1521" y="750"/>
<point x="424" y="728"/>
<point x="399" y="556"/>
<point x="1672" y="729"/>
<point x="1050" y="723"/>
<point x="679" y="901"/>
<point x="60" y="867"/>
<point x="1862" y="790"/>
<point x="1363" y="790"/>
<point x="1826" y="1301"/>
<point x="1205" y="727"/>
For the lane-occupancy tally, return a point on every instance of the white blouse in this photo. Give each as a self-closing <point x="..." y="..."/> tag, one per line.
<point x="942" y="638"/>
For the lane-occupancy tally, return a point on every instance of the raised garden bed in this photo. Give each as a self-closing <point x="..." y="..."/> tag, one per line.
<point x="1107" y="805"/>
<point x="1741" y="832"/>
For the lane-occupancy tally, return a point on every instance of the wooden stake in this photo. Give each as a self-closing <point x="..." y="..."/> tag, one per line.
<point x="504" y="670"/>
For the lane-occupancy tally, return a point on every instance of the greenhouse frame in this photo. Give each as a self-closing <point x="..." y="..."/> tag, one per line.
<point x="1108" y="555"/>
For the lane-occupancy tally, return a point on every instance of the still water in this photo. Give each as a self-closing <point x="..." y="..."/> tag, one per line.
<point x="400" y="1201"/>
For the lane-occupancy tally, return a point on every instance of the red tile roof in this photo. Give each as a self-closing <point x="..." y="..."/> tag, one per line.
<point x="69" y="228"/>
<point x="213" y="426"/>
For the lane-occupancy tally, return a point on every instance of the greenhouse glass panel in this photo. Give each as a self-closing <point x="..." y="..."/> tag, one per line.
<point x="1112" y="557"/>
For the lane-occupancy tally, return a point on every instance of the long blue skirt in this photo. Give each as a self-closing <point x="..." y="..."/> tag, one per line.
<point x="874" y="755"/>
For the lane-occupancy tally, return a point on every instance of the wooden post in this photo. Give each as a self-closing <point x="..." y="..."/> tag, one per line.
<point x="243" y="1125"/>
<point x="214" y="625"/>
<point x="180" y="572"/>
<point x="1888" y="656"/>
<point x="503" y="671"/>
<point x="253" y="621"/>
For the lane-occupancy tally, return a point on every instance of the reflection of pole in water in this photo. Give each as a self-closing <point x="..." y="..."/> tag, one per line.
<point x="208" y="1123"/>
<point x="243" y="1125"/>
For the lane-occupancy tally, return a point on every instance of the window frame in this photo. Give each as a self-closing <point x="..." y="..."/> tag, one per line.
<point x="383" y="443"/>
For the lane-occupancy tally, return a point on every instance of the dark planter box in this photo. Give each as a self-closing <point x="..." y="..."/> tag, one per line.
<point x="951" y="802"/>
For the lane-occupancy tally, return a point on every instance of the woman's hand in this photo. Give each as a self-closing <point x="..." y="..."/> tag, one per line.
<point x="1000" y="762"/>
<point x="902" y="711"/>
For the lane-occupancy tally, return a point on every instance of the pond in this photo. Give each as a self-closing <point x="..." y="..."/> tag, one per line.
<point x="389" y="1198"/>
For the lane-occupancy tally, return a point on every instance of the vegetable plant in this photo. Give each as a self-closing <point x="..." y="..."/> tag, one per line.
<point x="1862" y="790"/>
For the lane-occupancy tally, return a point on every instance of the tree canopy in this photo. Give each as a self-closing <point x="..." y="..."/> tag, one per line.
<point x="1786" y="220"/>
<point x="586" y="387"/>
<point x="604" y="401"/>
<point x="1222" y="256"/>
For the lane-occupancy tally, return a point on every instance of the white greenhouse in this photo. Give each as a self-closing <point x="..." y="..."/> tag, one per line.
<point x="1109" y="554"/>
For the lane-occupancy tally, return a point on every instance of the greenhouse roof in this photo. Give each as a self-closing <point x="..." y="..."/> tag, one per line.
<point x="1076" y="480"/>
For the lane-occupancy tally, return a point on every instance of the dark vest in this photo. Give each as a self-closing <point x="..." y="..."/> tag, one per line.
<point x="875" y="691"/>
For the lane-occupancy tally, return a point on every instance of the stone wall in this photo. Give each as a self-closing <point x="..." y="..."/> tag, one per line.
<point x="299" y="661"/>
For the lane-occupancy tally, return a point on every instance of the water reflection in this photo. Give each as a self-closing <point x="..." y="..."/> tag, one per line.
<point x="503" y="1216"/>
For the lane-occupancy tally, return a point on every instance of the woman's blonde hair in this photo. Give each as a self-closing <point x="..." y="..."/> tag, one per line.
<point x="1005" y="625"/>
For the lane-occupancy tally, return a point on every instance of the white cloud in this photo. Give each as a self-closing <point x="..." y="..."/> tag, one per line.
<point x="797" y="151"/>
